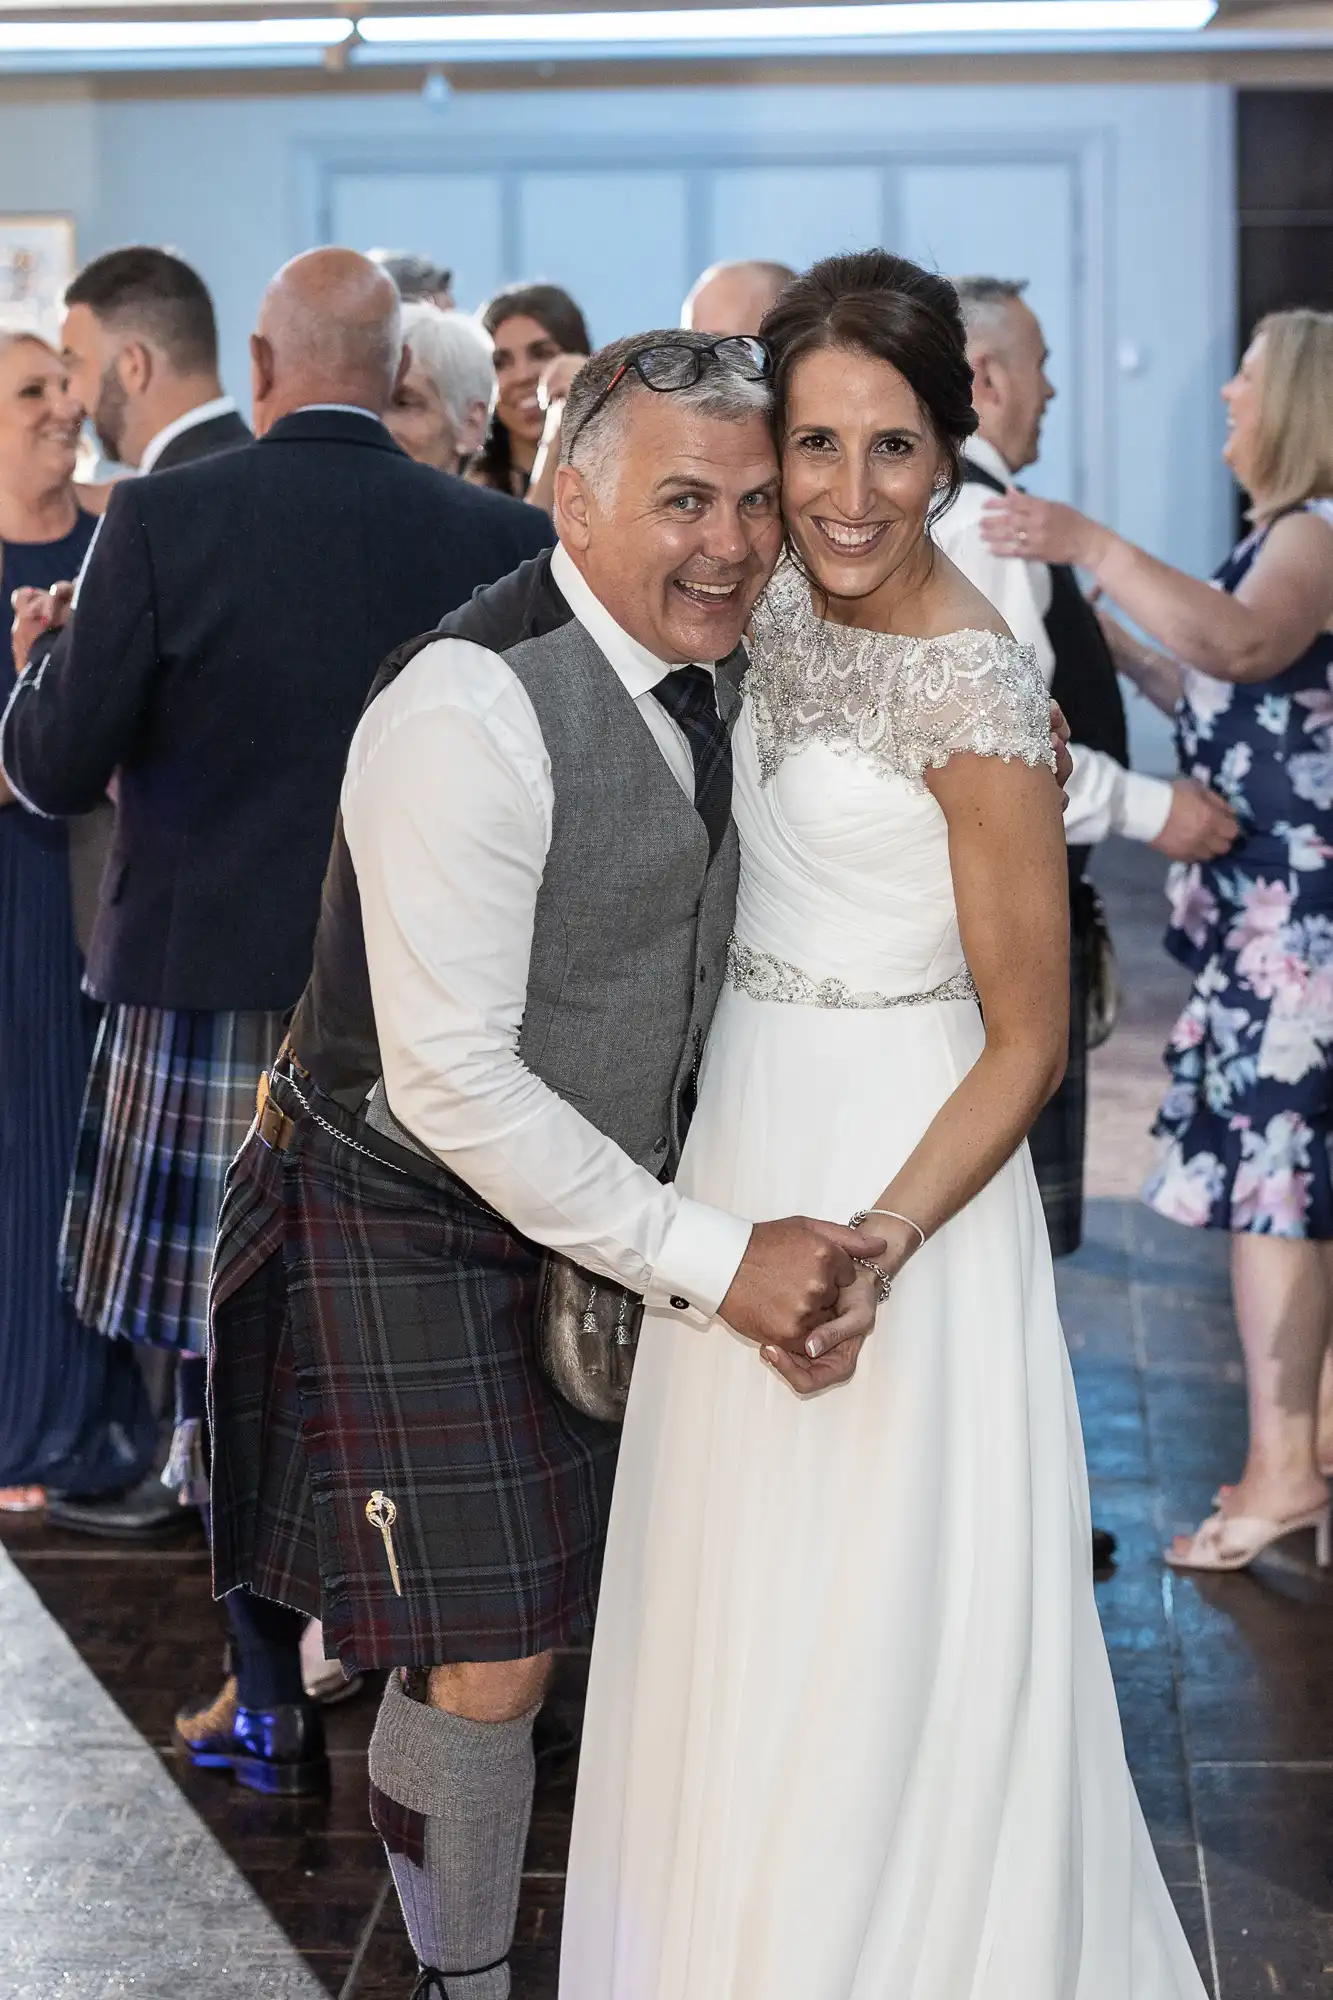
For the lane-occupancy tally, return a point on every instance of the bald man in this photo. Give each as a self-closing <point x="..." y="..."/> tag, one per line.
<point x="229" y="624"/>
<point x="733" y="298"/>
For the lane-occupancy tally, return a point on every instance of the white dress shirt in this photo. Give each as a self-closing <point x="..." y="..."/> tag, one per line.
<point x="1103" y="796"/>
<point x="447" y="808"/>
<point x="220" y="406"/>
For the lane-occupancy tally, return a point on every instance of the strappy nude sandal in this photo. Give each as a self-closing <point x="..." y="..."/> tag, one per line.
<point x="1233" y="1541"/>
<point x="1324" y="1463"/>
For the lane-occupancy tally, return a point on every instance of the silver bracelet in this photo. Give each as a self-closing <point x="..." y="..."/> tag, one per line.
<point x="893" y="1216"/>
<point x="885" y="1281"/>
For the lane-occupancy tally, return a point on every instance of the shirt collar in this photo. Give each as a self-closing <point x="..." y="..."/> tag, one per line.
<point x="983" y="453"/>
<point x="346" y="409"/>
<point x="220" y="406"/>
<point x="635" y="666"/>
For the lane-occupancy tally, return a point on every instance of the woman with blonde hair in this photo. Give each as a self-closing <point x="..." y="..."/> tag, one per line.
<point x="1247" y="1122"/>
<point x="73" y="1411"/>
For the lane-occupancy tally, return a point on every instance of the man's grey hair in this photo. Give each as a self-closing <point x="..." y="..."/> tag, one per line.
<point x="416" y="277"/>
<point x="595" y="448"/>
<point x="454" y="351"/>
<point x="984" y="303"/>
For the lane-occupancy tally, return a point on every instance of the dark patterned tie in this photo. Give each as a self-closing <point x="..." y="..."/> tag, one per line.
<point x="690" y="699"/>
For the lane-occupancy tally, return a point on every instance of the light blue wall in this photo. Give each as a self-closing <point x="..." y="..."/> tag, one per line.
<point x="1138" y="180"/>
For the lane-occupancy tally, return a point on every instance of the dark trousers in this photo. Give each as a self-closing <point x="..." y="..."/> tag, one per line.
<point x="1058" y="1139"/>
<point x="265" y="1638"/>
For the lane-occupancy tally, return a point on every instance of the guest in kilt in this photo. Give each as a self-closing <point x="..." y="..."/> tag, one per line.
<point x="228" y="627"/>
<point x="141" y="343"/>
<point x="522" y="940"/>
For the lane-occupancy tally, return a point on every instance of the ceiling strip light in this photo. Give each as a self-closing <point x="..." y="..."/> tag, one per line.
<point x="61" y="38"/>
<point x="700" y="26"/>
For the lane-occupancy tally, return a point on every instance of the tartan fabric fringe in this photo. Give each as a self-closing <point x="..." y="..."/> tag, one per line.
<point x="170" y="1097"/>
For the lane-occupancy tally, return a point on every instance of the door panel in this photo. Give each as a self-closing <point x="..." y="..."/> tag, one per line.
<point x="793" y="215"/>
<point x="453" y="218"/>
<point x="616" y="240"/>
<point x="1009" y="219"/>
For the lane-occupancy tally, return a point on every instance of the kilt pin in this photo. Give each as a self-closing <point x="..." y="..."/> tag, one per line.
<point x="373" y="1333"/>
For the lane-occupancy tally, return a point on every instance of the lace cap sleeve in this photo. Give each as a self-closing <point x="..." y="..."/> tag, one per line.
<point x="905" y="704"/>
<point x="970" y="691"/>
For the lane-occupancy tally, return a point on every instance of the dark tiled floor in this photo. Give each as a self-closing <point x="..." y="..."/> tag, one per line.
<point x="1226" y="1684"/>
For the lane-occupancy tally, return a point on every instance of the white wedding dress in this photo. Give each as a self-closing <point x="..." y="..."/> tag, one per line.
<point x="851" y="1732"/>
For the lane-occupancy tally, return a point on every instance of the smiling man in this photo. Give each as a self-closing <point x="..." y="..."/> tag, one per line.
<point x="523" y="938"/>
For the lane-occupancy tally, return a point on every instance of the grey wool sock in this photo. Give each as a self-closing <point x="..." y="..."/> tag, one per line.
<point x="451" y="1800"/>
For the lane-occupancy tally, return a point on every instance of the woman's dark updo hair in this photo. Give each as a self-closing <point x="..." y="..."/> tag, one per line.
<point x="889" y="308"/>
<point x="556" y="313"/>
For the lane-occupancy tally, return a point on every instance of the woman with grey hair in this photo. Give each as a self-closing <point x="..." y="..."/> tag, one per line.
<point x="438" y="414"/>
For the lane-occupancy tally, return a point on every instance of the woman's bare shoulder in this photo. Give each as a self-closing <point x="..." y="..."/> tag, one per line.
<point x="956" y="605"/>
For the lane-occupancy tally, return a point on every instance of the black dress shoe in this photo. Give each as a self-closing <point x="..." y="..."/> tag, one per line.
<point x="1103" y="1548"/>
<point x="275" y="1750"/>
<point x="144" y="1513"/>
<point x="430" y="1980"/>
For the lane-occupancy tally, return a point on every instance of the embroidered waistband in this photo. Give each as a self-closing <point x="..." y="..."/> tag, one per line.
<point x="765" y="977"/>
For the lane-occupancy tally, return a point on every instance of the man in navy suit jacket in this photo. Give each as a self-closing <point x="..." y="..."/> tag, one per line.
<point x="230" y="620"/>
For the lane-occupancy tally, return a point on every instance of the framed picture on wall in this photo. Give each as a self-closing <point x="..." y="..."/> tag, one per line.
<point x="36" y="264"/>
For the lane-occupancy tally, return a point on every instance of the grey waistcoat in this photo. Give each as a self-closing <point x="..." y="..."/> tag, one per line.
<point x="631" y="925"/>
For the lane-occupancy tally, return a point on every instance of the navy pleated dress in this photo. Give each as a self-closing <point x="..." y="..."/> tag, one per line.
<point x="74" y="1413"/>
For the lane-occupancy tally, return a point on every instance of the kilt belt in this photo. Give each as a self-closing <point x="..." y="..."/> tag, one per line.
<point x="387" y="1452"/>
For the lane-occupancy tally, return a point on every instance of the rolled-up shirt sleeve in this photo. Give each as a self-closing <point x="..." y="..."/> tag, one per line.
<point x="447" y="810"/>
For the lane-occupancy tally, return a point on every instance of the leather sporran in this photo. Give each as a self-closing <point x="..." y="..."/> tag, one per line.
<point x="587" y="1338"/>
<point x="1100" y="971"/>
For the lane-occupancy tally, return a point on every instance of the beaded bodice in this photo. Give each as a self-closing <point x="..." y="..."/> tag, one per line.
<point x="846" y="894"/>
<point x="905" y="704"/>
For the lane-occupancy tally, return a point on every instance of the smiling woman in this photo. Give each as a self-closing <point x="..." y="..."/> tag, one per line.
<point x="73" y="1412"/>
<point x="531" y="326"/>
<point x="858" y="498"/>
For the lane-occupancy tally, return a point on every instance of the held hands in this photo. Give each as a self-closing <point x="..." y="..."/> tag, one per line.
<point x="790" y="1277"/>
<point x="803" y="1292"/>
<point x="830" y="1355"/>
<point x="1199" y="827"/>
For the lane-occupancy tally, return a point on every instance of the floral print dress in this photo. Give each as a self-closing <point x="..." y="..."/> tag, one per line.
<point x="1247" y="1122"/>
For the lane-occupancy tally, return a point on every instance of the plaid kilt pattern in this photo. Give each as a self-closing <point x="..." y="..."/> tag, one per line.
<point x="373" y="1332"/>
<point x="170" y="1095"/>
<point x="1058" y="1138"/>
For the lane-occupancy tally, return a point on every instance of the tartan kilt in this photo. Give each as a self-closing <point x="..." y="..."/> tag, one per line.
<point x="373" y="1331"/>
<point x="168" y="1100"/>
<point x="1058" y="1139"/>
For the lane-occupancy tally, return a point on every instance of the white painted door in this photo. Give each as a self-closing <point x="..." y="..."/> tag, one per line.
<point x="1009" y="219"/>
<point x="454" y="218"/>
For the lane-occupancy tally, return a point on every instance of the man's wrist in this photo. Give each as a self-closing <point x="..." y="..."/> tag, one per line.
<point x="698" y="1260"/>
<point x="1144" y="806"/>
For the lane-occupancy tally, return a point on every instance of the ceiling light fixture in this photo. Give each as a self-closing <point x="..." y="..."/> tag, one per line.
<point x="68" y="38"/>
<point x="749" y="26"/>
